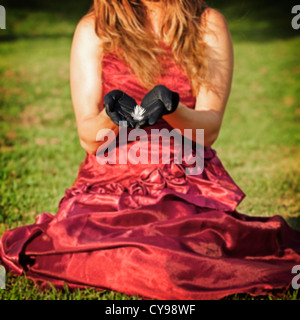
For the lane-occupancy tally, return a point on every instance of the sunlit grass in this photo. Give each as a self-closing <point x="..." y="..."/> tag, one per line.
<point x="259" y="141"/>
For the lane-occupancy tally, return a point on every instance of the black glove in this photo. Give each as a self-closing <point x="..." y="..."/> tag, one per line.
<point x="119" y="107"/>
<point x="158" y="102"/>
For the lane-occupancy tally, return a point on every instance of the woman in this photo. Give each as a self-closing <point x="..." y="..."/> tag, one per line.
<point x="151" y="229"/>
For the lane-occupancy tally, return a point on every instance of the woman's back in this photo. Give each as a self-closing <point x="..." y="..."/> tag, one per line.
<point x="117" y="75"/>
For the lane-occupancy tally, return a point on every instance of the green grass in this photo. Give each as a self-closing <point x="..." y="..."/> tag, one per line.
<point x="40" y="152"/>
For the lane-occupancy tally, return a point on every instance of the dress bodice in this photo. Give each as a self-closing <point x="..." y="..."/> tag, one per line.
<point x="117" y="75"/>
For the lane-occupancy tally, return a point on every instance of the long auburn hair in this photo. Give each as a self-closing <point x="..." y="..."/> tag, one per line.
<point x="121" y="26"/>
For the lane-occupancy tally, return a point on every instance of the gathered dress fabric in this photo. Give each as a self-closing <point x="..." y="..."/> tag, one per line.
<point x="152" y="230"/>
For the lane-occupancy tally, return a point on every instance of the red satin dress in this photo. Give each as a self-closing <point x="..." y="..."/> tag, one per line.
<point x="152" y="230"/>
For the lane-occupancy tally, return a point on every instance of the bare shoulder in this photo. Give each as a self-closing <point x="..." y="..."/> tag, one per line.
<point x="213" y="19"/>
<point x="215" y="30"/>
<point x="85" y="30"/>
<point x="87" y="22"/>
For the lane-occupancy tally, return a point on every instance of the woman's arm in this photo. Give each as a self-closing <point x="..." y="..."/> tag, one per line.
<point x="210" y="103"/>
<point x="86" y="86"/>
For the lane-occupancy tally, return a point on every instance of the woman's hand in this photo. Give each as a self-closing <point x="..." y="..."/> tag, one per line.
<point x="156" y="103"/>
<point x="119" y="107"/>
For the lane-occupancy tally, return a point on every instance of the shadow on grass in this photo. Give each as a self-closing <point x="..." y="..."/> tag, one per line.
<point x="68" y="7"/>
<point x="294" y="222"/>
<point x="258" y="20"/>
<point x="254" y="20"/>
<point x="33" y="19"/>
